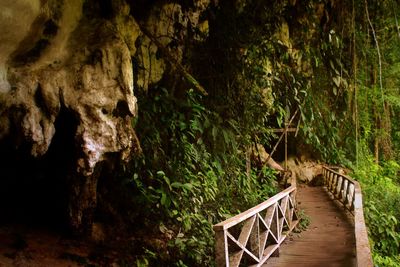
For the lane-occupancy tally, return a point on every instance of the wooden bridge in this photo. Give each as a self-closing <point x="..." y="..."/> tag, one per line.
<point x="336" y="236"/>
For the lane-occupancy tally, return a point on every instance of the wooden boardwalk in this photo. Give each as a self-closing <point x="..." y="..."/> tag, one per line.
<point x="329" y="240"/>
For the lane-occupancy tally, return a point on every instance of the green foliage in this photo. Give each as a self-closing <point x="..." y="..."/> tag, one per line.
<point x="378" y="127"/>
<point x="382" y="229"/>
<point x="381" y="192"/>
<point x="305" y="221"/>
<point x="383" y="261"/>
<point x="192" y="175"/>
<point x="322" y="129"/>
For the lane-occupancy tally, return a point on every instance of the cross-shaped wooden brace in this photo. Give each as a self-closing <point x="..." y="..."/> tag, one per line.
<point x="284" y="132"/>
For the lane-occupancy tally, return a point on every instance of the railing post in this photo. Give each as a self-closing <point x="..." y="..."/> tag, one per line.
<point x="221" y="248"/>
<point x="345" y="193"/>
<point x="339" y="186"/>
<point x="342" y="185"/>
<point x="353" y="198"/>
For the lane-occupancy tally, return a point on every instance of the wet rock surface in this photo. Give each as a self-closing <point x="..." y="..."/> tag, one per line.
<point x="67" y="76"/>
<point x="78" y="71"/>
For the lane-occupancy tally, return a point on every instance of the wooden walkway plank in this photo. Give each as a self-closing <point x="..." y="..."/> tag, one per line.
<point x="329" y="240"/>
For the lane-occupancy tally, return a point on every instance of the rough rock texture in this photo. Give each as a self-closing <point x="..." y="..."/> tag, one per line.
<point x="67" y="75"/>
<point x="15" y="19"/>
<point x="260" y="156"/>
<point x="63" y="60"/>
<point x="171" y="24"/>
<point x="304" y="170"/>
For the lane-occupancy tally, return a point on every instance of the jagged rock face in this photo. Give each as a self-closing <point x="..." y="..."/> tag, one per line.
<point x="66" y="86"/>
<point x="61" y="57"/>
<point x="304" y="170"/>
<point x="171" y="24"/>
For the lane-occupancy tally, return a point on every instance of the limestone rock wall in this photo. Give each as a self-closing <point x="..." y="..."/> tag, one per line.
<point x="59" y="58"/>
<point x="173" y="25"/>
<point x="80" y="58"/>
<point x="65" y="60"/>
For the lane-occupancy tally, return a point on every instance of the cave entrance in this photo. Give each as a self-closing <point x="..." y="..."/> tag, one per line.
<point x="283" y="147"/>
<point x="34" y="191"/>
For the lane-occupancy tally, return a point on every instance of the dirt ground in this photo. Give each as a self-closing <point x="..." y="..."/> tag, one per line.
<point x="23" y="246"/>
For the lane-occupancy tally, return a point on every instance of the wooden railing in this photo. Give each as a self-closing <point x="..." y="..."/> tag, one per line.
<point x="253" y="236"/>
<point x="348" y="192"/>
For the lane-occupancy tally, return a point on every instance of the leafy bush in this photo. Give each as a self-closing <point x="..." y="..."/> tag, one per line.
<point x="382" y="230"/>
<point x="192" y="174"/>
<point x="382" y="261"/>
<point x="381" y="193"/>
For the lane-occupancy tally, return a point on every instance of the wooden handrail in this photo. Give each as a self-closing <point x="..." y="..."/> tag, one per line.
<point x="251" y="212"/>
<point x="255" y="235"/>
<point x="348" y="192"/>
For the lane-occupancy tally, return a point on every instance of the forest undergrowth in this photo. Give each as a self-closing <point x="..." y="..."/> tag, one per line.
<point x="192" y="174"/>
<point x="381" y="194"/>
<point x="335" y="63"/>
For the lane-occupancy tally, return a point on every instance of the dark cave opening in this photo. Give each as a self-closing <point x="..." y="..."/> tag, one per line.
<point x="279" y="154"/>
<point x="33" y="191"/>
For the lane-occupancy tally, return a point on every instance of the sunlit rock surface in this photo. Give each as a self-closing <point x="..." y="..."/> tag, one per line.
<point x="68" y="71"/>
<point x="61" y="56"/>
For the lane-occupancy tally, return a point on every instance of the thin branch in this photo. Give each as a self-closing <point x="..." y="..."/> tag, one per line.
<point x="395" y="17"/>
<point x="355" y="81"/>
<point x="377" y="50"/>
